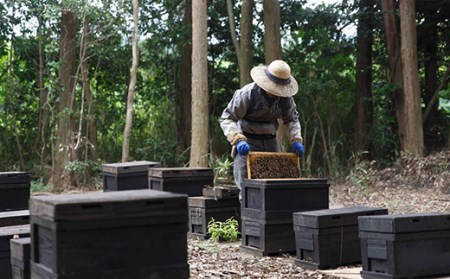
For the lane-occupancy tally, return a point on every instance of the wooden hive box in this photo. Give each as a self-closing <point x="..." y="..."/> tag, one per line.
<point x="126" y="176"/>
<point x="14" y="190"/>
<point x="20" y="258"/>
<point x="136" y="234"/>
<point x="405" y="246"/>
<point x="14" y="218"/>
<point x="6" y="234"/>
<point x="277" y="199"/>
<point x="203" y="209"/>
<point x="330" y="237"/>
<point x="221" y="192"/>
<point x="266" y="165"/>
<point x="262" y="237"/>
<point x="190" y="181"/>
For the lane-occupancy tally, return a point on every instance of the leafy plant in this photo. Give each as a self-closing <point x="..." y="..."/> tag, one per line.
<point x="38" y="186"/>
<point x="222" y="169"/>
<point x="224" y="231"/>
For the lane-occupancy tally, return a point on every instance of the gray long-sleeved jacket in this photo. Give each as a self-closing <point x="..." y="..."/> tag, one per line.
<point x="252" y="111"/>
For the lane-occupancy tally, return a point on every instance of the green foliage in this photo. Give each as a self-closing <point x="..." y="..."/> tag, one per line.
<point x="222" y="167"/>
<point x="87" y="173"/>
<point x="360" y="176"/>
<point x="223" y="231"/>
<point x="38" y="186"/>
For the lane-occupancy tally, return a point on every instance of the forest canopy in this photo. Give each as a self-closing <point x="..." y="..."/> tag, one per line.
<point x="65" y="75"/>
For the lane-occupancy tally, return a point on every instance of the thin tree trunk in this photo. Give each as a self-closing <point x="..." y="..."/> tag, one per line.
<point x="272" y="51"/>
<point x="272" y="37"/>
<point x="64" y="132"/>
<point x="131" y="88"/>
<point x="184" y="83"/>
<point x="41" y="138"/>
<point x="363" y="105"/>
<point x="244" y="46"/>
<point x="413" y="112"/>
<point x="91" y="123"/>
<point x="200" y="115"/>
<point x="11" y="86"/>
<point x="395" y="63"/>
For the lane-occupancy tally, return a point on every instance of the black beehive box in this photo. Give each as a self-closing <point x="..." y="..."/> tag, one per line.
<point x="405" y="246"/>
<point x="264" y="238"/>
<point x="221" y="192"/>
<point x="20" y="258"/>
<point x="329" y="238"/>
<point x="267" y="208"/>
<point x="125" y="234"/>
<point x="126" y="176"/>
<point x="14" y="190"/>
<point x="277" y="199"/>
<point x="190" y="181"/>
<point x="6" y="234"/>
<point x="203" y="209"/>
<point x="13" y="218"/>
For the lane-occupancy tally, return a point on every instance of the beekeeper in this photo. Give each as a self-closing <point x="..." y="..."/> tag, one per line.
<point x="250" y="121"/>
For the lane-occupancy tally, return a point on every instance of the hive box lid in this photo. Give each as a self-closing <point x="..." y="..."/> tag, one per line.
<point x="14" y="177"/>
<point x="221" y="192"/>
<point x="129" y="167"/>
<point x="286" y="182"/>
<point x="210" y="202"/>
<point x="20" y="249"/>
<point x="180" y="172"/>
<point x="406" y="223"/>
<point x="108" y="205"/>
<point x="338" y="217"/>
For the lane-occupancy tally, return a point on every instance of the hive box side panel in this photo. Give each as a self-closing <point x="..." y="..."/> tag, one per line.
<point x="14" y="196"/>
<point x="163" y="272"/>
<point x="70" y="246"/>
<point x="406" y="255"/>
<point x="13" y="218"/>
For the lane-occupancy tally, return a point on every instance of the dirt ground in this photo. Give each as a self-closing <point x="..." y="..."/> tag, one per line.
<point x="411" y="185"/>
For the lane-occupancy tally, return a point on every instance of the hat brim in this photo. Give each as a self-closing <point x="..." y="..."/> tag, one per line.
<point x="259" y="76"/>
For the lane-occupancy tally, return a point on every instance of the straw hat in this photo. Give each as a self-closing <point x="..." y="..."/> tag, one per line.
<point x="276" y="79"/>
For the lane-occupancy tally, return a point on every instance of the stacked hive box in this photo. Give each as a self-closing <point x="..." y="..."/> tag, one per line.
<point x="267" y="208"/>
<point x="14" y="190"/>
<point x="14" y="195"/>
<point x="126" y="176"/>
<point x="190" y="181"/>
<point x="329" y="238"/>
<point x="405" y="246"/>
<point x="20" y="258"/>
<point x="125" y="234"/>
<point x="6" y="234"/>
<point x="217" y="203"/>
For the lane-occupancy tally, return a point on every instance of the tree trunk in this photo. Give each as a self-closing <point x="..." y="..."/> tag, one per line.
<point x="63" y="144"/>
<point x="413" y="112"/>
<point x="41" y="138"/>
<point x="91" y="122"/>
<point x="431" y="77"/>
<point x="272" y="51"/>
<point x="364" y="109"/>
<point x="395" y="63"/>
<point x="200" y="116"/>
<point x="184" y="83"/>
<point x="132" y="86"/>
<point x="272" y="37"/>
<point x="244" y="46"/>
